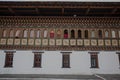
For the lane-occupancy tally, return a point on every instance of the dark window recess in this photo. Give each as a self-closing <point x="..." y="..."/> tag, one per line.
<point x="119" y="58"/>
<point x="100" y="34"/>
<point x="52" y="34"/>
<point x="79" y="34"/>
<point x="37" y="60"/>
<point x="86" y="34"/>
<point x="72" y="34"/>
<point x="66" y="61"/>
<point x="65" y="34"/>
<point x="94" y="60"/>
<point x="9" y="59"/>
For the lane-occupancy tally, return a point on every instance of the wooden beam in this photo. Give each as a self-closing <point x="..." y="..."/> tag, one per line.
<point x="37" y="11"/>
<point x="62" y="11"/>
<point x="114" y="10"/>
<point x="11" y="10"/>
<point x="87" y="11"/>
<point x="58" y="6"/>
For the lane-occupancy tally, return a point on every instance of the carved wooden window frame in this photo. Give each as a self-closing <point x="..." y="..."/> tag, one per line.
<point x="9" y="59"/>
<point x="17" y="34"/>
<point x="119" y="58"/>
<point x="100" y="35"/>
<point x="52" y="33"/>
<point x="113" y="34"/>
<point x="119" y="33"/>
<point x="106" y="34"/>
<point x="45" y="33"/>
<point x="38" y="33"/>
<point x="72" y="34"/>
<point x="37" y="59"/>
<point x="118" y="53"/>
<point x="79" y="34"/>
<point x="86" y="34"/>
<point x="93" y="34"/>
<point x="59" y="33"/>
<point x="25" y="33"/>
<point x="11" y="33"/>
<point x="65" y="59"/>
<point x="32" y="33"/>
<point x="65" y="34"/>
<point x="4" y="33"/>
<point x="94" y="60"/>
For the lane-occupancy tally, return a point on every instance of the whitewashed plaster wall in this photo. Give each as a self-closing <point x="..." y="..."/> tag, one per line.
<point x="52" y="63"/>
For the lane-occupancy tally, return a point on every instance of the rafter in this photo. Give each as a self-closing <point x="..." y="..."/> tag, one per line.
<point x="87" y="11"/>
<point x="59" y="9"/>
<point x="47" y="6"/>
<point x="37" y="11"/>
<point x="114" y="10"/>
<point x="62" y="11"/>
<point x="11" y="10"/>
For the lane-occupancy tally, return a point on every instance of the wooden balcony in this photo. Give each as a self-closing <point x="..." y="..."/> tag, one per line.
<point x="56" y="44"/>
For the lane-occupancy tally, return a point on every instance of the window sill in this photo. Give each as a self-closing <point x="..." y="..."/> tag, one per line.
<point x="66" y="67"/>
<point x="8" y="67"/>
<point x="94" y="67"/>
<point x="37" y="67"/>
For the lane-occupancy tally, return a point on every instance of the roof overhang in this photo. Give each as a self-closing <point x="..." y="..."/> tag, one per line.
<point x="68" y="0"/>
<point x="60" y="9"/>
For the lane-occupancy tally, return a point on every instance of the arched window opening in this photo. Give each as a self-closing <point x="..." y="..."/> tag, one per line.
<point x="86" y="34"/>
<point x="38" y="34"/>
<point x="113" y="34"/>
<point x="25" y="33"/>
<point x="51" y="34"/>
<point x="4" y="33"/>
<point x="65" y="33"/>
<point x="58" y="34"/>
<point x="17" y="34"/>
<point x="32" y="33"/>
<point x="11" y="33"/>
<point x="72" y="34"/>
<point x="106" y="34"/>
<point x="79" y="34"/>
<point x="100" y="33"/>
<point x="93" y="34"/>
<point x="45" y="33"/>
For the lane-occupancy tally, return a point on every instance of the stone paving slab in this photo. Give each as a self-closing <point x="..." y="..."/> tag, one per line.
<point x="110" y="76"/>
<point x="48" y="76"/>
<point x="58" y="77"/>
<point x="42" y="79"/>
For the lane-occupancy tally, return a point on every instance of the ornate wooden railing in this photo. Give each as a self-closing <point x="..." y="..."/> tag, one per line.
<point x="60" y="44"/>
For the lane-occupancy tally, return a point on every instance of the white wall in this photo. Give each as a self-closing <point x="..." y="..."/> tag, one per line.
<point x="108" y="63"/>
<point x="52" y="63"/>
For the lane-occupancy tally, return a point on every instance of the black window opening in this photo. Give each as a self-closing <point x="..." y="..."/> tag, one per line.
<point x="9" y="59"/>
<point x="86" y="34"/>
<point x="119" y="58"/>
<point x="100" y="33"/>
<point x="65" y="61"/>
<point x="79" y="34"/>
<point x="72" y="34"/>
<point x="65" y="34"/>
<point x="37" y="60"/>
<point x="94" y="60"/>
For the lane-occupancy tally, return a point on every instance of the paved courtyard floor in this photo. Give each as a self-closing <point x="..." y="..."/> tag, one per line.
<point x="59" y="77"/>
<point x="49" y="79"/>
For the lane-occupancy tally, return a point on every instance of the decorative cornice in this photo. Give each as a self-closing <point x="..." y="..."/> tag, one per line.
<point x="35" y="21"/>
<point x="62" y="48"/>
